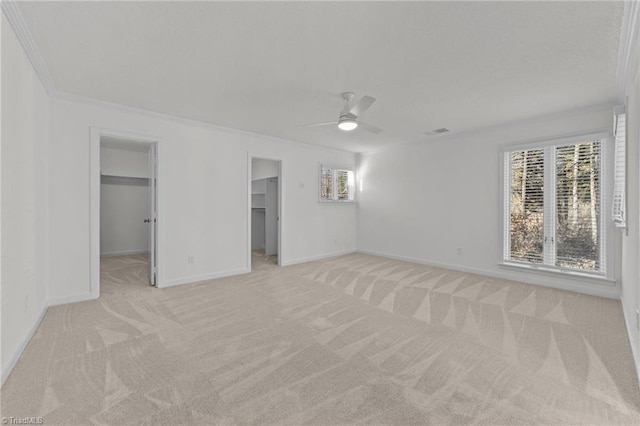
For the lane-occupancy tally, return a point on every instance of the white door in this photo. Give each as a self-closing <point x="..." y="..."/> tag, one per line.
<point x="153" y="214"/>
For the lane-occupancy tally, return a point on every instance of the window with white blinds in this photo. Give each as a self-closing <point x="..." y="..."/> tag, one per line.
<point x="553" y="209"/>
<point x="326" y="184"/>
<point x="620" y="173"/>
<point x="526" y="201"/>
<point x="337" y="184"/>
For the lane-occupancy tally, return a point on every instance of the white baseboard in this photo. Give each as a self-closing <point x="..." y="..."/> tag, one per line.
<point x="6" y="369"/>
<point x="203" y="277"/>
<point x="609" y="292"/>
<point x="83" y="297"/>
<point x="634" y="350"/>
<point x="318" y="257"/>
<point x="123" y="253"/>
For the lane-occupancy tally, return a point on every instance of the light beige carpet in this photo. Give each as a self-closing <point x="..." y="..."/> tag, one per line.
<point x="354" y="339"/>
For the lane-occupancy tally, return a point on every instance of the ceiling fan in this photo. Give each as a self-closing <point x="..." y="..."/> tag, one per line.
<point x="348" y="118"/>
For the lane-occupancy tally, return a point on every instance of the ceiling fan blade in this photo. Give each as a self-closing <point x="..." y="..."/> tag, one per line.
<point x="334" y="123"/>
<point x="362" y="105"/>
<point x="369" y="128"/>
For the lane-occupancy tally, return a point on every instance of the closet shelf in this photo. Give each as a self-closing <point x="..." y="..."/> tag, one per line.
<point x="123" y="180"/>
<point x="123" y="176"/>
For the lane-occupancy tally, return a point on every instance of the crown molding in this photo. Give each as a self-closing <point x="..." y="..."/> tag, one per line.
<point x="629" y="48"/>
<point x="14" y="17"/>
<point x="476" y="132"/>
<point x="60" y="96"/>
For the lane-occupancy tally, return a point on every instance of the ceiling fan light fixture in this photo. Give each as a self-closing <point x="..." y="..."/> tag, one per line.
<point x="351" y="112"/>
<point x="347" y="124"/>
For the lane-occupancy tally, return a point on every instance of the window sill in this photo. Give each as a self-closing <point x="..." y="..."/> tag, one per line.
<point x="337" y="201"/>
<point x="559" y="272"/>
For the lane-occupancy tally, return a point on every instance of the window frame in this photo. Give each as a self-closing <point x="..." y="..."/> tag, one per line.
<point x="606" y="223"/>
<point x="334" y="176"/>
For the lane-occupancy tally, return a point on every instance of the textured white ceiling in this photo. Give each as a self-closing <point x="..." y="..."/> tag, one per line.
<point x="267" y="67"/>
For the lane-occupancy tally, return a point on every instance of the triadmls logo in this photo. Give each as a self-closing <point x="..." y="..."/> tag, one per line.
<point x="22" y="420"/>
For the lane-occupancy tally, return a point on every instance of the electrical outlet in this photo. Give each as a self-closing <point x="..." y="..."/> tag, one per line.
<point x="190" y="260"/>
<point x="459" y="251"/>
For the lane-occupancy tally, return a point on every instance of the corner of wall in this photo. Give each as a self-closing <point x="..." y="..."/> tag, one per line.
<point x="634" y="350"/>
<point x="7" y="368"/>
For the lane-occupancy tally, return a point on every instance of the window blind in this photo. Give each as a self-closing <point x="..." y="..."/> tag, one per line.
<point x="342" y="184"/>
<point x="527" y="205"/>
<point x="578" y="206"/>
<point x="620" y="174"/>
<point x="326" y="184"/>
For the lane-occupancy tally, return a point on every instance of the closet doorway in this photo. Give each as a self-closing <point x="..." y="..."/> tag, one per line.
<point x="265" y="212"/>
<point x="124" y="228"/>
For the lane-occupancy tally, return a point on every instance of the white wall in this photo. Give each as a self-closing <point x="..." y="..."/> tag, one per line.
<point x="202" y="183"/>
<point x="124" y="204"/>
<point x="261" y="169"/>
<point x="631" y="242"/>
<point x="124" y="162"/>
<point x="424" y="201"/>
<point x="24" y="200"/>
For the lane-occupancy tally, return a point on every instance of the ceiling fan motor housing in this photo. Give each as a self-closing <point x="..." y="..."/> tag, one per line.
<point x="348" y="96"/>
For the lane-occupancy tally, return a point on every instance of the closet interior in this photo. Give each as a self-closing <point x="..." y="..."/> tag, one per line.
<point x="265" y="208"/>
<point x="124" y="204"/>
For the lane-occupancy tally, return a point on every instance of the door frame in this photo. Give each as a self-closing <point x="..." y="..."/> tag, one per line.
<point x="94" y="196"/>
<point x="250" y="158"/>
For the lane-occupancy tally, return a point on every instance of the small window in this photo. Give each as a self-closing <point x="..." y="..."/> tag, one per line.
<point x="337" y="185"/>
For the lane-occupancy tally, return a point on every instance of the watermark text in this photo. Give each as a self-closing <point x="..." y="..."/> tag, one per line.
<point x="22" y="420"/>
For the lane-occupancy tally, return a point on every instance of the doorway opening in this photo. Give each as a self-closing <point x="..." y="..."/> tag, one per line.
<point x="265" y="212"/>
<point x="124" y="211"/>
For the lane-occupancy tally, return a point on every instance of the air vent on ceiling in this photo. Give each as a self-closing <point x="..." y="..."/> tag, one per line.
<point x="437" y="131"/>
